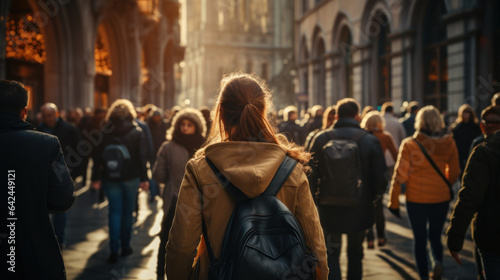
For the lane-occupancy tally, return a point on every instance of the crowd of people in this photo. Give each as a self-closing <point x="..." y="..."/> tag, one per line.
<point x="347" y="158"/>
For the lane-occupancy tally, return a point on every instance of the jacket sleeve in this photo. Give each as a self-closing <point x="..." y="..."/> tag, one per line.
<point x="315" y="165"/>
<point x="308" y="217"/>
<point x="453" y="164"/>
<point x="378" y="167"/>
<point x="60" y="194"/>
<point x="143" y="157"/>
<point x="160" y="170"/>
<point x="392" y="147"/>
<point x="474" y="186"/>
<point x="400" y="175"/>
<point x="186" y="228"/>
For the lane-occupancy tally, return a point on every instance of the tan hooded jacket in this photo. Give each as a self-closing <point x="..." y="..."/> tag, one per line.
<point x="250" y="166"/>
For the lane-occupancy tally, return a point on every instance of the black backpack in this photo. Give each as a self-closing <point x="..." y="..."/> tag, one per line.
<point x="341" y="178"/>
<point x="117" y="160"/>
<point x="263" y="239"/>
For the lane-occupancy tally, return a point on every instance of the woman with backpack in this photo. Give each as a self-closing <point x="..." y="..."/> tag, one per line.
<point x="120" y="167"/>
<point x="428" y="165"/>
<point x="375" y="123"/>
<point x="184" y="137"/>
<point x="243" y="145"/>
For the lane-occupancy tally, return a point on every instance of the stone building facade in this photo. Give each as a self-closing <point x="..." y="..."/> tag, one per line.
<point x="251" y="36"/>
<point x="88" y="53"/>
<point x="435" y="52"/>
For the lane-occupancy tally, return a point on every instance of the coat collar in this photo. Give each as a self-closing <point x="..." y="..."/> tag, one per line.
<point x="346" y="122"/>
<point x="9" y="121"/>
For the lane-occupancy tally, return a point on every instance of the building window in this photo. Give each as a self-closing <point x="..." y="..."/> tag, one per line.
<point x="496" y="46"/>
<point x="346" y="49"/>
<point x="264" y="71"/>
<point x="305" y="5"/>
<point x="24" y="39"/>
<point x="384" y="62"/>
<point x="249" y="66"/>
<point x="435" y="56"/>
<point x="319" y="73"/>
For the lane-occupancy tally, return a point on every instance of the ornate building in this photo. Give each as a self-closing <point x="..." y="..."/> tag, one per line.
<point x="436" y="52"/>
<point x="252" y="36"/>
<point x="90" y="52"/>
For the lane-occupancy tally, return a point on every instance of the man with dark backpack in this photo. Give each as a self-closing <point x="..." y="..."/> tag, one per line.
<point x="346" y="180"/>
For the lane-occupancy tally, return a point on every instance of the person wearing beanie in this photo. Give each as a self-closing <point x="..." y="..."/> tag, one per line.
<point x="184" y="137"/>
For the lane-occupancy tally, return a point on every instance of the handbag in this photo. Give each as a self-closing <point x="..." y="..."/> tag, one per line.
<point x="452" y="194"/>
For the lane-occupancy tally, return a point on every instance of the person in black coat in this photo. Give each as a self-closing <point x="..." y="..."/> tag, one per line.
<point x="69" y="137"/>
<point x="351" y="220"/>
<point x="465" y="129"/>
<point x="34" y="162"/>
<point x="293" y="132"/>
<point x="478" y="201"/>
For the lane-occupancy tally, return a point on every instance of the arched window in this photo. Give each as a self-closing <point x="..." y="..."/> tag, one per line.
<point x="383" y="48"/>
<point x="435" y="55"/>
<point x="319" y="73"/>
<point x="346" y="49"/>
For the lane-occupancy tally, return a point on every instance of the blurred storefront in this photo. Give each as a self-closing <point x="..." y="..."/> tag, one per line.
<point x="88" y="53"/>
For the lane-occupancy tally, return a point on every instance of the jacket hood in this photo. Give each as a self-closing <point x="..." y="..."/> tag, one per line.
<point x="123" y="126"/>
<point x="250" y="166"/>
<point x="10" y="121"/>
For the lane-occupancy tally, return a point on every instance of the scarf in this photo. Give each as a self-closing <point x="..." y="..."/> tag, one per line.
<point x="190" y="142"/>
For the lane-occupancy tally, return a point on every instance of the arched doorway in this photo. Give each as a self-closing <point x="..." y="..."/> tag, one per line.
<point x="103" y="70"/>
<point x="303" y="95"/>
<point x="25" y="52"/>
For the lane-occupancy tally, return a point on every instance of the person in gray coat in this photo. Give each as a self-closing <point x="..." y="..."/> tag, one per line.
<point x="184" y="137"/>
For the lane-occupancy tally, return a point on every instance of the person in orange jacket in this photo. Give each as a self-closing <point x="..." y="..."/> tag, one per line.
<point x="427" y="194"/>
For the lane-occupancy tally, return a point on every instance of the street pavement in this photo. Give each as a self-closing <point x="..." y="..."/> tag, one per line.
<point x="87" y="246"/>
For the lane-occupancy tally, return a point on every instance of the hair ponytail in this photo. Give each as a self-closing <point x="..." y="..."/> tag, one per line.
<point x="241" y="115"/>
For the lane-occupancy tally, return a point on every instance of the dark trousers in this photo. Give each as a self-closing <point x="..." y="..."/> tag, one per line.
<point x="421" y="214"/>
<point x="379" y="222"/>
<point x="166" y="224"/>
<point x="354" y="254"/>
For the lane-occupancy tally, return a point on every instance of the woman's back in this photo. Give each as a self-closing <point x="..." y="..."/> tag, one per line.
<point x="250" y="166"/>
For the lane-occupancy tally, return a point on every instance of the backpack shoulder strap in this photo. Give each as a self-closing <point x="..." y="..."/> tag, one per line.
<point x="232" y="189"/>
<point x="284" y="171"/>
<point x="431" y="161"/>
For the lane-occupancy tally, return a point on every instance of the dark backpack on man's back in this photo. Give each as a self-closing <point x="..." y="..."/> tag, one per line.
<point x="117" y="160"/>
<point x="263" y="239"/>
<point x="341" y="178"/>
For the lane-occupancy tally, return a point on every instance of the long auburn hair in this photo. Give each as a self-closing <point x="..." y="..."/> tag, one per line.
<point x="241" y="115"/>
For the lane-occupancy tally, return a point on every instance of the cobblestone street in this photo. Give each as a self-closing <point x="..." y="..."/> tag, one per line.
<point x="87" y="246"/>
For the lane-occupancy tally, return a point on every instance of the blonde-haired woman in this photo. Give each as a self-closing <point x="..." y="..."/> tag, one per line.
<point x="121" y="190"/>
<point x="375" y="123"/>
<point x="243" y="145"/>
<point x="427" y="194"/>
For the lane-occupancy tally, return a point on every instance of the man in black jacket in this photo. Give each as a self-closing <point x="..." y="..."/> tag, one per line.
<point x="36" y="181"/>
<point x="337" y="219"/>
<point x="480" y="193"/>
<point x="69" y="137"/>
<point x="293" y="132"/>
